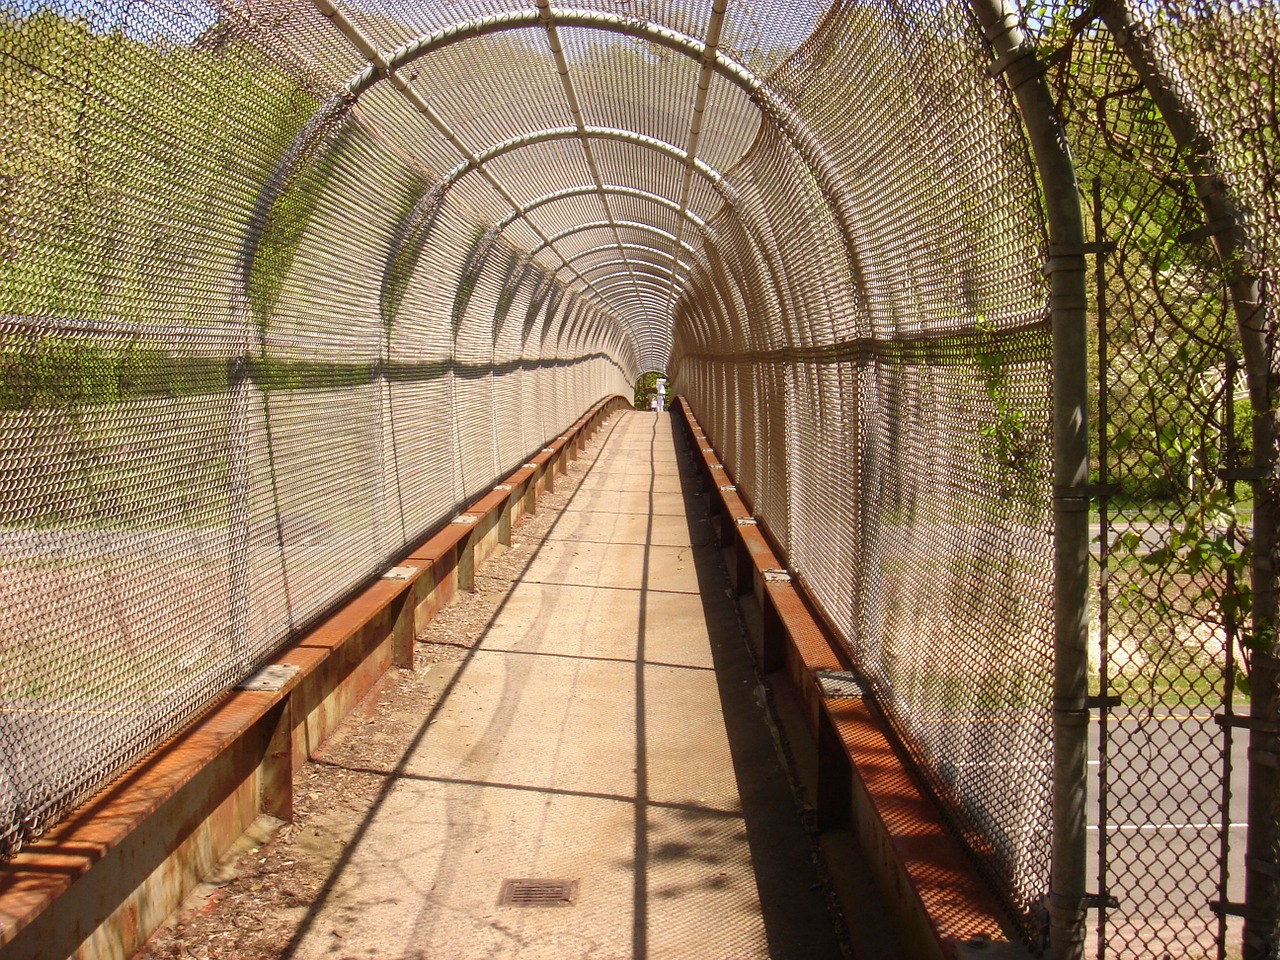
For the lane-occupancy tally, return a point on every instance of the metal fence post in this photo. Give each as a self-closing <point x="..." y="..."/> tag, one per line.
<point x="1066" y="268"/>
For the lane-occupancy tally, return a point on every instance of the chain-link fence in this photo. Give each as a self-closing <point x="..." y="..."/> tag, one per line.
<point x="283" y="282"/>
<point x="238" y="375"/>
<point x="887" y="409"/>
<point x="1170" y="111"/>
<point x="888" y="416"/>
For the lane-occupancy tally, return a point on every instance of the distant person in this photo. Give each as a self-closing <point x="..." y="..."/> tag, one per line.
<point x="653" y="403"/>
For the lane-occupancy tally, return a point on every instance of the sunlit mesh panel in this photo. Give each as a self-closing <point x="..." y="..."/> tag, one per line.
<point x="883" y="400"/>
<point x="248" y="358"/>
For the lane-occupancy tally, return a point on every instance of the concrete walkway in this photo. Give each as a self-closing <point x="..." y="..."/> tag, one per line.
<point x="605" y="732"/>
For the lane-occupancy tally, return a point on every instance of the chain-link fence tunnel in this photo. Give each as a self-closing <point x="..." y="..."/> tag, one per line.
<point x="970" y="299"/>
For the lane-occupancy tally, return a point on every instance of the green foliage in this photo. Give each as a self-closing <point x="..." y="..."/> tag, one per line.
<point x="127" y="169"/>
<point x="1012" y="439"/>
<point x="287" y="225"/>
<point x="1199" y="572"/>
<point x="646" y="386"/>
<point x="1008" y="441"/>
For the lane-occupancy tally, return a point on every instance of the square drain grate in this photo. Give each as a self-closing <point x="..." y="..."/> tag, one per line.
<point x="538" y="893"/>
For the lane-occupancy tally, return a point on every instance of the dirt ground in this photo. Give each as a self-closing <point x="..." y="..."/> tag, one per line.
<point x="250" y="908"/>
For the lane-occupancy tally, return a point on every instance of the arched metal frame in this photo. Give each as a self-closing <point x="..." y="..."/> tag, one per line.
<point x="602" y="224"/>
<point x="652" y="269"/>
<point x="638" y="248"/>
<point x="422" y="211"/>
<point x="1016" y="60"/>
<point x="775" y="111"/>
<point x="610" y="188"/>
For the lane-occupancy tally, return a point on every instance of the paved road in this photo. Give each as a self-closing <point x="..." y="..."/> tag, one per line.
<point x="1164" y="824"/>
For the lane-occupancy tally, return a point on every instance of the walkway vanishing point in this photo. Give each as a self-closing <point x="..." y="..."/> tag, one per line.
<point x="607" y="730"/>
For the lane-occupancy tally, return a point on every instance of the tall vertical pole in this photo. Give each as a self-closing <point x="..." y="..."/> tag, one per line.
<point x="1067" y="271"/>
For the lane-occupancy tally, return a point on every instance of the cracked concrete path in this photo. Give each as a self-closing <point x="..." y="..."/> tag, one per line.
<point x="606" y="730"/>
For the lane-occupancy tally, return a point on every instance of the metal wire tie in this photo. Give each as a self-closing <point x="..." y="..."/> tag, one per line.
<point x="1099" y="901"/>
<point x="1070" y="262"/>
<point x="1103" y="702"/>
<point x="998" y="29"/>
<point x="1061" y="903"/>
<point x="1084" y="491"/>
<point x="1082" y="249"/>
<point x="1229" y="909"/>
<point x="1023" y="56"/>
<point x="1243" y="473"/>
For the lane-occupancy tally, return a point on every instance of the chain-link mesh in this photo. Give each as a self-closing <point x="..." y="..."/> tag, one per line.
<point x="285" y="281"/>
<point x="885" y="403"/>
<point x="249" y="353"/>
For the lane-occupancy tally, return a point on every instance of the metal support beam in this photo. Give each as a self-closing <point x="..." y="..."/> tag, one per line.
<point x="604" y="224"/>
<point x="1048" y="140"/>
<point x="382" y="67"/>
<point x="638" y="250"/>
<point x="575" y="108"/>
<point x="775" y="110"/>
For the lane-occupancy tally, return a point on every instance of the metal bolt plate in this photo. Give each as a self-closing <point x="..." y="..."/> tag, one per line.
<point x="727" y="488"/>
<point x="530" y="466"/>
<point x="270" y="679"/>
<point x="400" y="573"/>
<point x="776" y="576"/>
<point x="502" y="488"/>
<point x="466" y="519"/>
<point x="538" y="893"/>
<point x="839" y="685"/>
<point x="746" y="521"/>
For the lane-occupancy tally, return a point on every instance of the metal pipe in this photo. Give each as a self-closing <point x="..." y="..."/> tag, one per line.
<point x="637" y="249"/>
<point x="709" y="50"/>
<point x="382" y="67"/>
<point x="777" y="111"/>
<point x="1066" y="266"/>
<point x="604" y="224"/>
